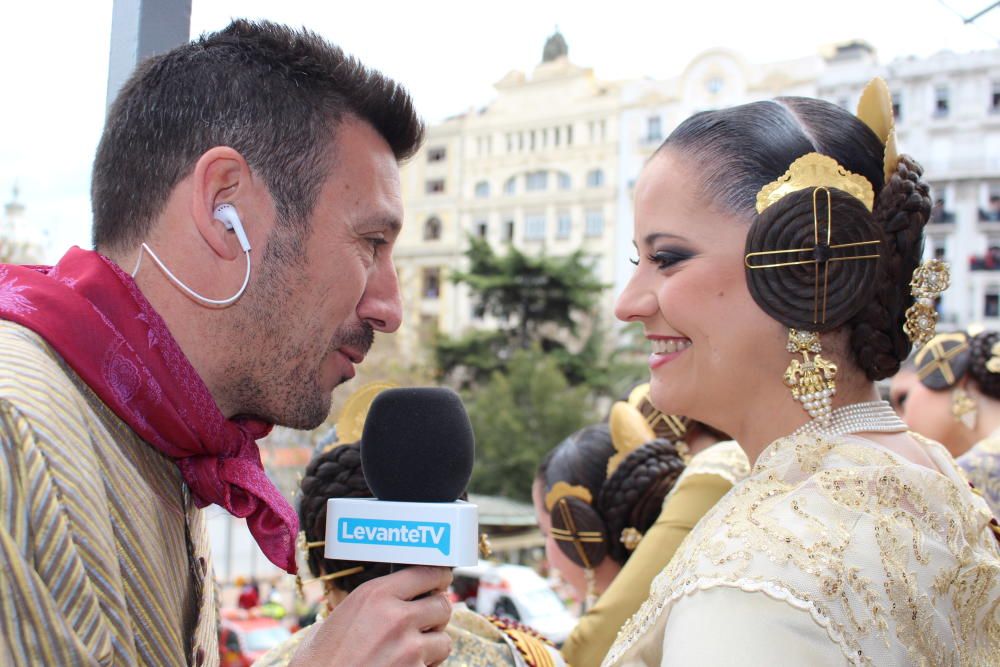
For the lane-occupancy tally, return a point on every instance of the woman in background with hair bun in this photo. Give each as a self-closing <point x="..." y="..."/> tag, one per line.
<point x="954" y="398"/>
<point x="615" y="501"/>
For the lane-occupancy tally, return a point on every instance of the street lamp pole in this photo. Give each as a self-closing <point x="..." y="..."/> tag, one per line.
<point x="142" y="28"/>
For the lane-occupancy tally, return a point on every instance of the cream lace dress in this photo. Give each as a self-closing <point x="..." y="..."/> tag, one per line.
<point x="834" y="551"/>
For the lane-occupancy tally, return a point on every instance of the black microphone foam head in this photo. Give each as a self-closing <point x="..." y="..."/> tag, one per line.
<point x="417" y="445"/>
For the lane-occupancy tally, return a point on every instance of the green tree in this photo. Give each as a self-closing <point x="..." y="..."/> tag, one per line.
<point x="518" y="416"/>
<point x="537" y="299"/>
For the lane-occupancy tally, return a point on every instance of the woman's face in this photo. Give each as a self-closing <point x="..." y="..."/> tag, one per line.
<point x="712" y="346"/>
<point x="571" y="572"/>
<point x="926" y="411"/>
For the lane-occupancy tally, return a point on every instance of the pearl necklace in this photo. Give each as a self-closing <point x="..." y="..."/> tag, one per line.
<point x="872" y="416"/>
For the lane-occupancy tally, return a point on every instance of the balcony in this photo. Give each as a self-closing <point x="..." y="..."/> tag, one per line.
<point x="992" y="215"/>
<point x="941" y="216"/>
<point x="988" y="262"/>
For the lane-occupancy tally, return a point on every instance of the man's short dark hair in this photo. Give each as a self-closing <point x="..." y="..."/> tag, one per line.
<point x="272" y="93"/>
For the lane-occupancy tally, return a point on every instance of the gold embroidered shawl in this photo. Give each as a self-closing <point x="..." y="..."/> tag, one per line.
<point x="894" y="563"/>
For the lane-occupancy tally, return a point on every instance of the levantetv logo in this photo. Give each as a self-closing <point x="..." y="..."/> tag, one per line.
<point x="385" y="532"/>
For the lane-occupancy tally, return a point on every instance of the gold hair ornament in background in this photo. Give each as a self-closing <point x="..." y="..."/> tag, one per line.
<point x="929" y="280"/>
<point x="304" y="548"/>
<point x="993" y="365"/>
<point x="673" y="427"/>
<point x="351" y="420"/>
<point x="630" y="538"/>
<point x="812" y="381"/>
<point x="629" y="432"/>
<point x="875" y="111"/>
<point x="563" y="490"/>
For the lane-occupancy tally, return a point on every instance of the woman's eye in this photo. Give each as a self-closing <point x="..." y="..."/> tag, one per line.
<point x="664" y="259"/>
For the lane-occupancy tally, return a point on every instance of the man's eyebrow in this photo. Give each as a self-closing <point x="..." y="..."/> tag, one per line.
<point x="385" y="222"/>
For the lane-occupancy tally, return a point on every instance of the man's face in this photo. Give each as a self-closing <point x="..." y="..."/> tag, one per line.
<point x="310" y="315"/>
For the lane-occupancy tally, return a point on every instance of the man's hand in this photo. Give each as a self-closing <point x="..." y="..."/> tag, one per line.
<point x="381" y="624"/>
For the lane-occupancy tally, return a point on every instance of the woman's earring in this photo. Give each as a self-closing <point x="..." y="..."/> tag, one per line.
<point x="963" y="408"/>
<point x="591" y="599"/>
<point x="812" y="381"/>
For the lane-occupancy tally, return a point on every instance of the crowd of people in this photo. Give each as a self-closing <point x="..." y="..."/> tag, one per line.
<point x="756" y="502"/>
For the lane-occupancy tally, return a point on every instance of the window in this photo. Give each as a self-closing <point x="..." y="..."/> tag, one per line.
<point x="595" y="178"/>
<point x="536" y="180"/>
<point x="991" y="303"/>
<point x="432" y="229"/>
<point x="941" y="101"/>
<point x="558" y="136"/>
<point x="508" y="231"/>
<point x="534" y="227"/>
<point x="595" y="223"/>
<point x="569" y="135"/>
<point x="564" y="224"/>
<point x="653" y="130"/>
<point x="995" y="98"/>
<point x="531" y="141"/>
<point x="564" y="181"/>
<point x="436" y="154"/>
<point x="897" y="106"/>
<point x="940" y="252"/>
<point x="435" y="186"/>
<point x="714" y="85"/>
<point x="510" y="186"/>
<point x="482" y="228"/>
<point x="482" y="190"/>
<point x="432" y="283"/>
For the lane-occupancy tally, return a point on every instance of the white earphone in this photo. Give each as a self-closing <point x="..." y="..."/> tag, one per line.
<point x="227" y="215"/>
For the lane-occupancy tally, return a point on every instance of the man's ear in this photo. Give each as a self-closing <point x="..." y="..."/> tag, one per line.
<point x="221" y="176"/>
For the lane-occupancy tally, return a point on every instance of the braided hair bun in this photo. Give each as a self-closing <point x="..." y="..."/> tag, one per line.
<point x="902" y="208"/>
<point x="587" y="532"/>
<point x="633" y="496"/>
<point x="809" y="296"/>
<point x="335" y="473"/>
<point x="981" y="349"/>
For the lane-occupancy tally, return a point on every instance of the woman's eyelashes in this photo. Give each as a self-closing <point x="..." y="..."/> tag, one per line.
<point x="664" y="259"/>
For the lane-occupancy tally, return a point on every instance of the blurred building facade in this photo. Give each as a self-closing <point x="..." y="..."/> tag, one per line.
<point x="550" y="166"/>
<point x="948" y="117"/>
<point x="21" y="242"/>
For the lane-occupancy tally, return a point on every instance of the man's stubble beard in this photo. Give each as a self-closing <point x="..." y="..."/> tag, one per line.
<point x="281" y="386"/>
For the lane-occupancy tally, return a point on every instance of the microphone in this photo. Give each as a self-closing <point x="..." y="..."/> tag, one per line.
<point x="417" y="451"/>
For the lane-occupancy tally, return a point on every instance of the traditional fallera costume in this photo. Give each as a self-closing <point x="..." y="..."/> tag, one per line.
<point x="707" y="477"/>
<point x="835" y="550"/>
<point x="111" y="444"/>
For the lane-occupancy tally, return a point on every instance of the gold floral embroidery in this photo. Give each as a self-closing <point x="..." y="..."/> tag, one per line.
<point x="885" y="555"/>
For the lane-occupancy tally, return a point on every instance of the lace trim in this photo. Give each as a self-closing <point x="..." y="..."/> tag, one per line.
<point x="772" y="589"/>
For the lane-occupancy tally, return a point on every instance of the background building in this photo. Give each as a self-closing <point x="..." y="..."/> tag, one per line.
<point x="947" y="116"/>
<point x="550" y="166"/>
<point x="21" y="242"/>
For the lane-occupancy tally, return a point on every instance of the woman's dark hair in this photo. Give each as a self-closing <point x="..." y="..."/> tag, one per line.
<point x="334" y="474"/>
<point x="737" y="151"/>
<point x="631" y="497"/>
<point x="981" y="351"/>
<point x="273" y="93"/>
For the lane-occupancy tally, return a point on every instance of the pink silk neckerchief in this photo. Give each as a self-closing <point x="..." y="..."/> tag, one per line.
<point x="96" y="318"/>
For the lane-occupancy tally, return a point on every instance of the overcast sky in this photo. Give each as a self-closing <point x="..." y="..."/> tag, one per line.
<point x="54" y="59"/>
